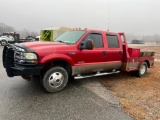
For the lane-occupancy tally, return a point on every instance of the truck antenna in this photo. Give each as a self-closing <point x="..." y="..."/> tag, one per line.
<point x="108" y="14"/>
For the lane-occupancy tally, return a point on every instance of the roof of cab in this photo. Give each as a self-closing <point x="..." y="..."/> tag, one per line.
<point x="93" y="30"/>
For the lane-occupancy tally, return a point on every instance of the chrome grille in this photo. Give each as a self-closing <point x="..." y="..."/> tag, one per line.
<point x="18" y="54"/>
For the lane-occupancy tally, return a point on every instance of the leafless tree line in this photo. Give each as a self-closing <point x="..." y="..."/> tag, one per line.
<point x="5" y="28"/>
<point x="24" y="33"/>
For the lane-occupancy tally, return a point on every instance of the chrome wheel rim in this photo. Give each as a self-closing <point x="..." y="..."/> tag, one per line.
<point x="56" y="79"/>
<point x="143" y="69"/>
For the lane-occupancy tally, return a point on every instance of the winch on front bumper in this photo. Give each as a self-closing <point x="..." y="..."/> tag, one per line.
<point x="16" y="65"/>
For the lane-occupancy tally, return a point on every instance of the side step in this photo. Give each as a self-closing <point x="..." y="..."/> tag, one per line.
<point x="94" y="75"/>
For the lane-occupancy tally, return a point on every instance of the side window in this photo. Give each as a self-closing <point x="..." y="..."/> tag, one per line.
<point x="97" y="39"/>
<point x="112" y="41"/>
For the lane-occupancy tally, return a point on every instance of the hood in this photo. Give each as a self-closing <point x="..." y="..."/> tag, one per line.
<point x="43" y="46"/>
<point x="45" y="50"/>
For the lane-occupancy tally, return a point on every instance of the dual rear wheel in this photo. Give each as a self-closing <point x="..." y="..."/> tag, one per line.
<point x="142" y="70"/>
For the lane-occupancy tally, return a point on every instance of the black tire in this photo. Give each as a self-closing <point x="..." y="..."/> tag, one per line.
<point x="142" y="69"/>
<point x="71" y="79"/>
<point x="3" y="42"/>
<point x="55" y="79"/>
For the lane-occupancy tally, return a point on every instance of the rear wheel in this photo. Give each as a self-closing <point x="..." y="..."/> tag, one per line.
<point x="55" y="79"/>
<point x="142" y="69"/>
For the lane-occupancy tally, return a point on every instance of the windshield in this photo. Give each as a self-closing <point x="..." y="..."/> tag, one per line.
<point x="70" y="37"/>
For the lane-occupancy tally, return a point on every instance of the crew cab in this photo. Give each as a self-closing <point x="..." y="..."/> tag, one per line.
<point x="75" y="54"/>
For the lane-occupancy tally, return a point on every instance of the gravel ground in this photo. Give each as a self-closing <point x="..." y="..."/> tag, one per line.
<point x="140" y="97"/>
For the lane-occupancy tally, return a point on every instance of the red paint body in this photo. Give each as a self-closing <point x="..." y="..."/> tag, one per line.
<point x="50" y="51"/>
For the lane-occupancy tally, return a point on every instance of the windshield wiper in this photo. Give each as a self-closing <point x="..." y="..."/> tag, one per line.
<point x="60" y="41"/>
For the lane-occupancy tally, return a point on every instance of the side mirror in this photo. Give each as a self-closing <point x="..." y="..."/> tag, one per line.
<point x="88" y="45"/>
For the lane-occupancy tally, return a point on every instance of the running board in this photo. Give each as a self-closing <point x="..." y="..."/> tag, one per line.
<point x="97" y="74"/>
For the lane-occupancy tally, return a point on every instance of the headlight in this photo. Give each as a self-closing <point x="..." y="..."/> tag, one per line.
<point x="29" y="56"/>
<point x="25" y="58"/>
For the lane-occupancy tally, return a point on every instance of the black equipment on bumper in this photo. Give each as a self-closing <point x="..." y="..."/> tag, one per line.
<point x="13" y="69"/>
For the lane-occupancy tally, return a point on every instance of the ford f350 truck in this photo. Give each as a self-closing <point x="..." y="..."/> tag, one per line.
<point x="75" y="54"/>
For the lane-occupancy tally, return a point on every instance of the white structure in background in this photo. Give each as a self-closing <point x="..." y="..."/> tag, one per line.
<point x="49" y="34"/>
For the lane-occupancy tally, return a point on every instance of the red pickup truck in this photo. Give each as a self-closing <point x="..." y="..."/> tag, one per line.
<point x="76" y="53"/>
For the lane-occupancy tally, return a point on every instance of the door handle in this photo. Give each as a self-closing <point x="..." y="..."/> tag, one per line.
<point x="120" y="53"/>
<point x="104" y="53"/>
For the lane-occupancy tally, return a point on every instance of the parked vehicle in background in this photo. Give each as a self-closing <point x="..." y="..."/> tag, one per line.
<point x="138" y="42"/>
<point x="37" y="38"/>
<point x="9" y="37"/>
<point x="13" y="37"/>
<point x="27" y="39"/>
<point x="4" y="39"/>
<point x="75" y="54"/>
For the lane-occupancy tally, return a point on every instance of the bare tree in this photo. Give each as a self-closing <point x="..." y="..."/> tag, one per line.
<point x="24" y="33"/>
<point x="34" y="34"/>
<point x="5" y="28"/>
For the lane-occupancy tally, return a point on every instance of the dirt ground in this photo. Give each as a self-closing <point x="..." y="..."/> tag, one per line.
<point x="140" y="97"/>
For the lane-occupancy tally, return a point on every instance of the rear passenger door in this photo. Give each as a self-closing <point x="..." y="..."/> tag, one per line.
<point x="114" y="51"/>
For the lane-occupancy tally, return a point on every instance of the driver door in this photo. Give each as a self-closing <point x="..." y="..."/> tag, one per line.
<point x="91" y="60"/>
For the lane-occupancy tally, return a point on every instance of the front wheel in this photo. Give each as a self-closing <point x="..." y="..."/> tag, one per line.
<point x="142" y="69"/>
<point x="55" y="79"/>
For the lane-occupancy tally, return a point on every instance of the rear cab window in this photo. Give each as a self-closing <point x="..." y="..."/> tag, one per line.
<point x="112" y="41"/>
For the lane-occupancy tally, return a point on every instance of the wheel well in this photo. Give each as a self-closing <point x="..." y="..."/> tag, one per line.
<point x="148" y="64"/>
<point x="66" y="65"/>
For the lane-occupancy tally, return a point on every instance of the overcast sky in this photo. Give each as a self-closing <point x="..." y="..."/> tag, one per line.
<point x="129" y="16"/>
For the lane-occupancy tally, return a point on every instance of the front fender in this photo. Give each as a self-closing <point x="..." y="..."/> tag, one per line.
<point x="52" y="57"/>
